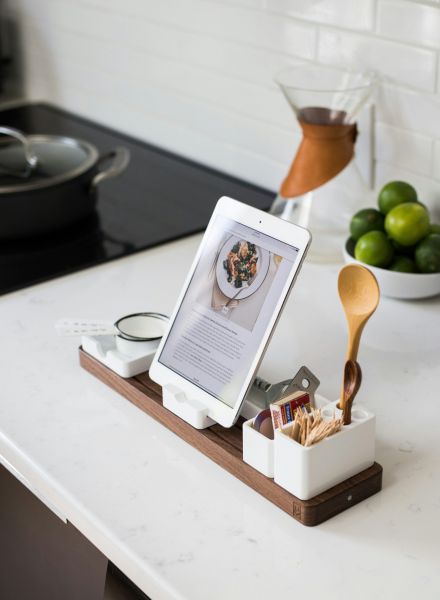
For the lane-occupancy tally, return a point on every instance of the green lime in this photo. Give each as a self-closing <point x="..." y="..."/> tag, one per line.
<point x="407" y="223"/>
<point x="434" y="239"/>
<point x="394" y="193"/>
<point x="434" y="228"/>
<point x="374" y="248"/>
<point x="368" y="219"/>
<point x="403" y="264"/>
<point x="428" y="254"/>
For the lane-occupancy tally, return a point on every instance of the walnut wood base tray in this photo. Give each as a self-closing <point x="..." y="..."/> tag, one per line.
<point x="224" y="446"/>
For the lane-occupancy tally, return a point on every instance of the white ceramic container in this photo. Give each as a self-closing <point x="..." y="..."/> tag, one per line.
<point x="104" y="349"/>
<point x="258" y="450"/>
<point x="307" y="471"/>
<point x="133" y="348"/>
<point x="406" y="286"/>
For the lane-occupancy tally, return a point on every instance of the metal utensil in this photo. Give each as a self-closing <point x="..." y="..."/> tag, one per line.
<point x="304" y="381"/>
<point x="249" y="283"/>
<point x="85" y="327"/>
<point x="352" y="383"/>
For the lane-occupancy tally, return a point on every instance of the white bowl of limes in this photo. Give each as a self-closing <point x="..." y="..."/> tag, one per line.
<point x="397" y="243"/>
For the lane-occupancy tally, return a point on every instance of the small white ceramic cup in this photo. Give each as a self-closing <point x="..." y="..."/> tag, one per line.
<point x="140" y="333"/>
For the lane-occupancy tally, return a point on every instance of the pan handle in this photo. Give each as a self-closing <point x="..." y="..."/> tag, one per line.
<point x="120" y="157"/>
<point x="31" y="159"/>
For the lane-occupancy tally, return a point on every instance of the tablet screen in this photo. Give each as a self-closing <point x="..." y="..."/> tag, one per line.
<point x="227" y="308"/>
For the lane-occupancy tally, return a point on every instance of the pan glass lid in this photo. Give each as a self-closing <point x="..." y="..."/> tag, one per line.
<point x="56" y="156"/>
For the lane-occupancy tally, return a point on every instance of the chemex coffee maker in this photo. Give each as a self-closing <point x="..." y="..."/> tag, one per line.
<point x="324" y="187"/>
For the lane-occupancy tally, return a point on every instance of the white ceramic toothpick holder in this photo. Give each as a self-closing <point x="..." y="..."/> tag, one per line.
<point x="258" y="450"/>
<point x="307" y="471"/>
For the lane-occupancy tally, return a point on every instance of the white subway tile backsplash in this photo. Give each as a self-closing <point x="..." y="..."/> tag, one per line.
<point x="247" y="3"/>
<point x="235" y="60"/>
<point x="436" y="161"/>
<point x="224" y="21"/>
<point x="415" y="67"/>
<point x="409" y="109"/>
<point x="245" y="99"/>
<point x="179" y="106"/>
<point x="196" y="76"/>
<point x="417" y="24"/>
<point x="403" y="148"/>
<point x="353" y="14"/>
<point x="438" y="73"/>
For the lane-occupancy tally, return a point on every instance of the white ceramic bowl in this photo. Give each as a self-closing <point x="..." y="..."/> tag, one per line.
<point x="406" y="286"/>
<point x="140" y="333"/>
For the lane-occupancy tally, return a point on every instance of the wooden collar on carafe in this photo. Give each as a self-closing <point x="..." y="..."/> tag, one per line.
<point x="325" y="150"/>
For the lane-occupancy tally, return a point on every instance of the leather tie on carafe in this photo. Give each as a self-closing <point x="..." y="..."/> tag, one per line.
<point x="325" y="151"/>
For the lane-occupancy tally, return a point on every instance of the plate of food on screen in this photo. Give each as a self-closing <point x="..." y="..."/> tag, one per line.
<point x="241" y="268"/>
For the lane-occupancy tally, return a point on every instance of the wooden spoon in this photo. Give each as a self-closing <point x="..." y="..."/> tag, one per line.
<point x="352" y="383"/>
<point x="359" y="294"/>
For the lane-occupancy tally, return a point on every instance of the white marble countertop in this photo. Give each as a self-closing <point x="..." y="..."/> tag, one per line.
<point x="177" y="524"/>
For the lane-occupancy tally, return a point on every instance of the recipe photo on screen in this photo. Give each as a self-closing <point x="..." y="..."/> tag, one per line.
<point x="227" y="307"/>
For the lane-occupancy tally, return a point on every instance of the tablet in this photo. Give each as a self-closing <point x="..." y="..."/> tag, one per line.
<point x="232" y="298"/>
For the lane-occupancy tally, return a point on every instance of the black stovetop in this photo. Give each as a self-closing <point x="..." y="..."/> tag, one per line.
<point x="159" y="198"/>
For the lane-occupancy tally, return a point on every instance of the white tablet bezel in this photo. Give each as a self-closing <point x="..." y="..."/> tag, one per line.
<point x="266" y="224"/>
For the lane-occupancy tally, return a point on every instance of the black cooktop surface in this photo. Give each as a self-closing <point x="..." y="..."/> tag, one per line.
<point x="159" y="198"/>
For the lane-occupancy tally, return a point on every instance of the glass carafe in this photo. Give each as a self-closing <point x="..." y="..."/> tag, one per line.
<point x="324" y="186"/>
